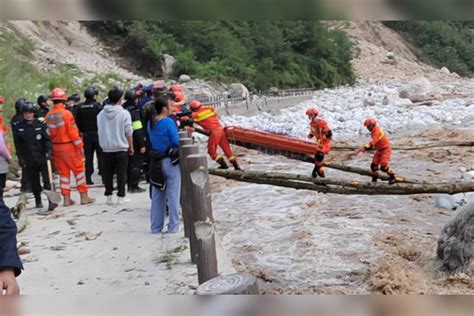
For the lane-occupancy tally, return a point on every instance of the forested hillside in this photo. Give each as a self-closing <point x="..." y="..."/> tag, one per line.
<point x="259" y="54"/>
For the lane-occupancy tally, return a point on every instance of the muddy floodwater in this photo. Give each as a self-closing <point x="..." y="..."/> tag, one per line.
<point x="298" y="241"/>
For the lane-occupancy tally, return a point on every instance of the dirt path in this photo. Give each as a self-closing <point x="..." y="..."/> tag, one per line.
<point x="123" y="259"/>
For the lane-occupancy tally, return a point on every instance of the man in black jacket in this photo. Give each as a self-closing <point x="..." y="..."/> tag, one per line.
<point x="10" y="263"/>
<point x="33" y="148"/>
<point x="42" y="102"/>
<point x="86" y="120"/>
<point x="135" y="162"/>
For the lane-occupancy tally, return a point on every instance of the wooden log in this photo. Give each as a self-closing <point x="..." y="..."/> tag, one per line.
<point x="232" y="284"/>
<point x="413" y="147"/>
<point x="342" y="187"/>
<point x="365" y="172"/>
<point x="202" y="218"/>
<point x="186" y="151"/>
<point x="184" y="203"/>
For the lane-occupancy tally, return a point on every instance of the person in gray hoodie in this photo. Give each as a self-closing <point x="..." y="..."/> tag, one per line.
<point x="115" y="131"/>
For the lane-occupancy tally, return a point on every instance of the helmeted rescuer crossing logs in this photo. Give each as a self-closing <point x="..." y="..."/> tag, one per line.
<point x="207" y="118"/>
<point x="319" y="129"/>
<point x="383" y="151"/>
<point x="68" y="149"/>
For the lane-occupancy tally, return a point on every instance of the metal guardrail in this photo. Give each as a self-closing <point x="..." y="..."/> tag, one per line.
<point x="225" y="100"/>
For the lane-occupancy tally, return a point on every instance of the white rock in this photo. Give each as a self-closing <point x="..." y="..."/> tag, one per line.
<point x="390" y="55"/>
<point x="238" y="90"/>
<point x="168" y="63"/>
<point x="462" y="169"/>
<point x="445" y="201"/>
<point x="418" y="90"/>
<point x="445" y="70"/>
<point x="184" y="78"/>
<point x="469" y="175"/>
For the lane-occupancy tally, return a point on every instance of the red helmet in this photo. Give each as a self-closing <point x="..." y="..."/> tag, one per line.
<point x="176" y="88"/>
<point x="2" y="100"/>
<point x="178" y="96"/>
<point x="195" y="105"/>
<point x="159" y="86"/>
<point x="58" y="94"/>
<point x="370" y="121"/>
<point x="312" y="112"/>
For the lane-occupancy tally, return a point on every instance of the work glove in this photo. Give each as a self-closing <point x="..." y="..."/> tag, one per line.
<point x="173" y="153"/>
<point x="360" y="150"/>
<point x="310" y="136"/>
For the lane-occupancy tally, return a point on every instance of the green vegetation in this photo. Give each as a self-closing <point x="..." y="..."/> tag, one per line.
<point x="259" y="54"/>
<point x="441" y="43"/>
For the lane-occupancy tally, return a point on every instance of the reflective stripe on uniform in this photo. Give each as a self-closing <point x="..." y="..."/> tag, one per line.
<point x="65" y="179"/>
<point x="82" y="181"/>
<point x="218" y="157"/>
<point x="77" y="142"/>
<point x="231" y="158"/>
<point x="56" y="125"/>
<point x="204" y="115"/>
<point x="64" y="186"/>
<point x="81" y="175"/>
<point x="137" y="125"/>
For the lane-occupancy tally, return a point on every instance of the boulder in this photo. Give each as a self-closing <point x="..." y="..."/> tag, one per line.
<point x="469" y="175"/>
<point x="396" y="100"/>
<point x="168" y="63"/>
<point x="446" y="202"/>
<point x="238" y="90"/>
<point x="445" y="71"/>
<point x="419" y="90"/>
<point x="390" y="56"/>
<point x="455" y="252"/>
<point x="184" y="78"/>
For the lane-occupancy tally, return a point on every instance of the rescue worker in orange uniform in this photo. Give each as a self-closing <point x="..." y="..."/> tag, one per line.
<point x="383" y="151"/>
<point x="207" y="118"/>
<point x="68" y="149"/>
<point x="323" y="134"/>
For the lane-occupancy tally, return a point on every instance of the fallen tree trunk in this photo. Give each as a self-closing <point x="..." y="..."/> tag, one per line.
<point x="412" y="147"/>
<point x="340" y="186"/>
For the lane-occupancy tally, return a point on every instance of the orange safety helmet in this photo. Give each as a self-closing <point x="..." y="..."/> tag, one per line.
<point x="58" y="94"/>
<point x="312" y="112"/>
<point x="2" y="100"/>
<point x="195" y="105"/>
<point x="176" y="88"/>
<point x="178" y="96"/>
<point x="370" y="121"/>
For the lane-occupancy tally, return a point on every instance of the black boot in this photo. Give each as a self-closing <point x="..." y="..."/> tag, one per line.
<point x="89" y="182"/>
<point x="236" y="165"/>
<point x="38" y="202"/>
<point x="52" y="206"/>
<point x="222" y="164"/>
<point x="315" y="172"/>
<point x="374" y="179"/>
<point x="392" y="179"/>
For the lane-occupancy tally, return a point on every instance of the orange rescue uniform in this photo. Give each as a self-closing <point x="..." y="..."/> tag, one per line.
<point x="207" y="118"/>
<point x="383" y="151"/>
<point x="320" y="129"/>
<point x="67" y="148"/>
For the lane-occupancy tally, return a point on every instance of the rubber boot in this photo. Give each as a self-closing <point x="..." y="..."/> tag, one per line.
<point x="392" y="179"/>
<point x="68" y="201"/>
<point x="86" y="199"/>
<point x="38" y="202"/>
<point x="314" y="174"/>
<point x="321" y="173"/>
<point x="236" y="165"/>
<point x="52" y="206"/>
<point x="222" y="164"/>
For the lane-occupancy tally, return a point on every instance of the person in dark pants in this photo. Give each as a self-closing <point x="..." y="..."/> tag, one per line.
<point x="15" y="120"/>
<point x="10" y="263"/>
<point x="73" y="103"/>
<point x="116" y="139"/>
<point x="33" y="147"/>
<point x="135" y="162"/>
<point x="86" y="120"/>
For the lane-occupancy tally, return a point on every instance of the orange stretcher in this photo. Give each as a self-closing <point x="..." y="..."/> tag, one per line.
<point x="271" y="143"/>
